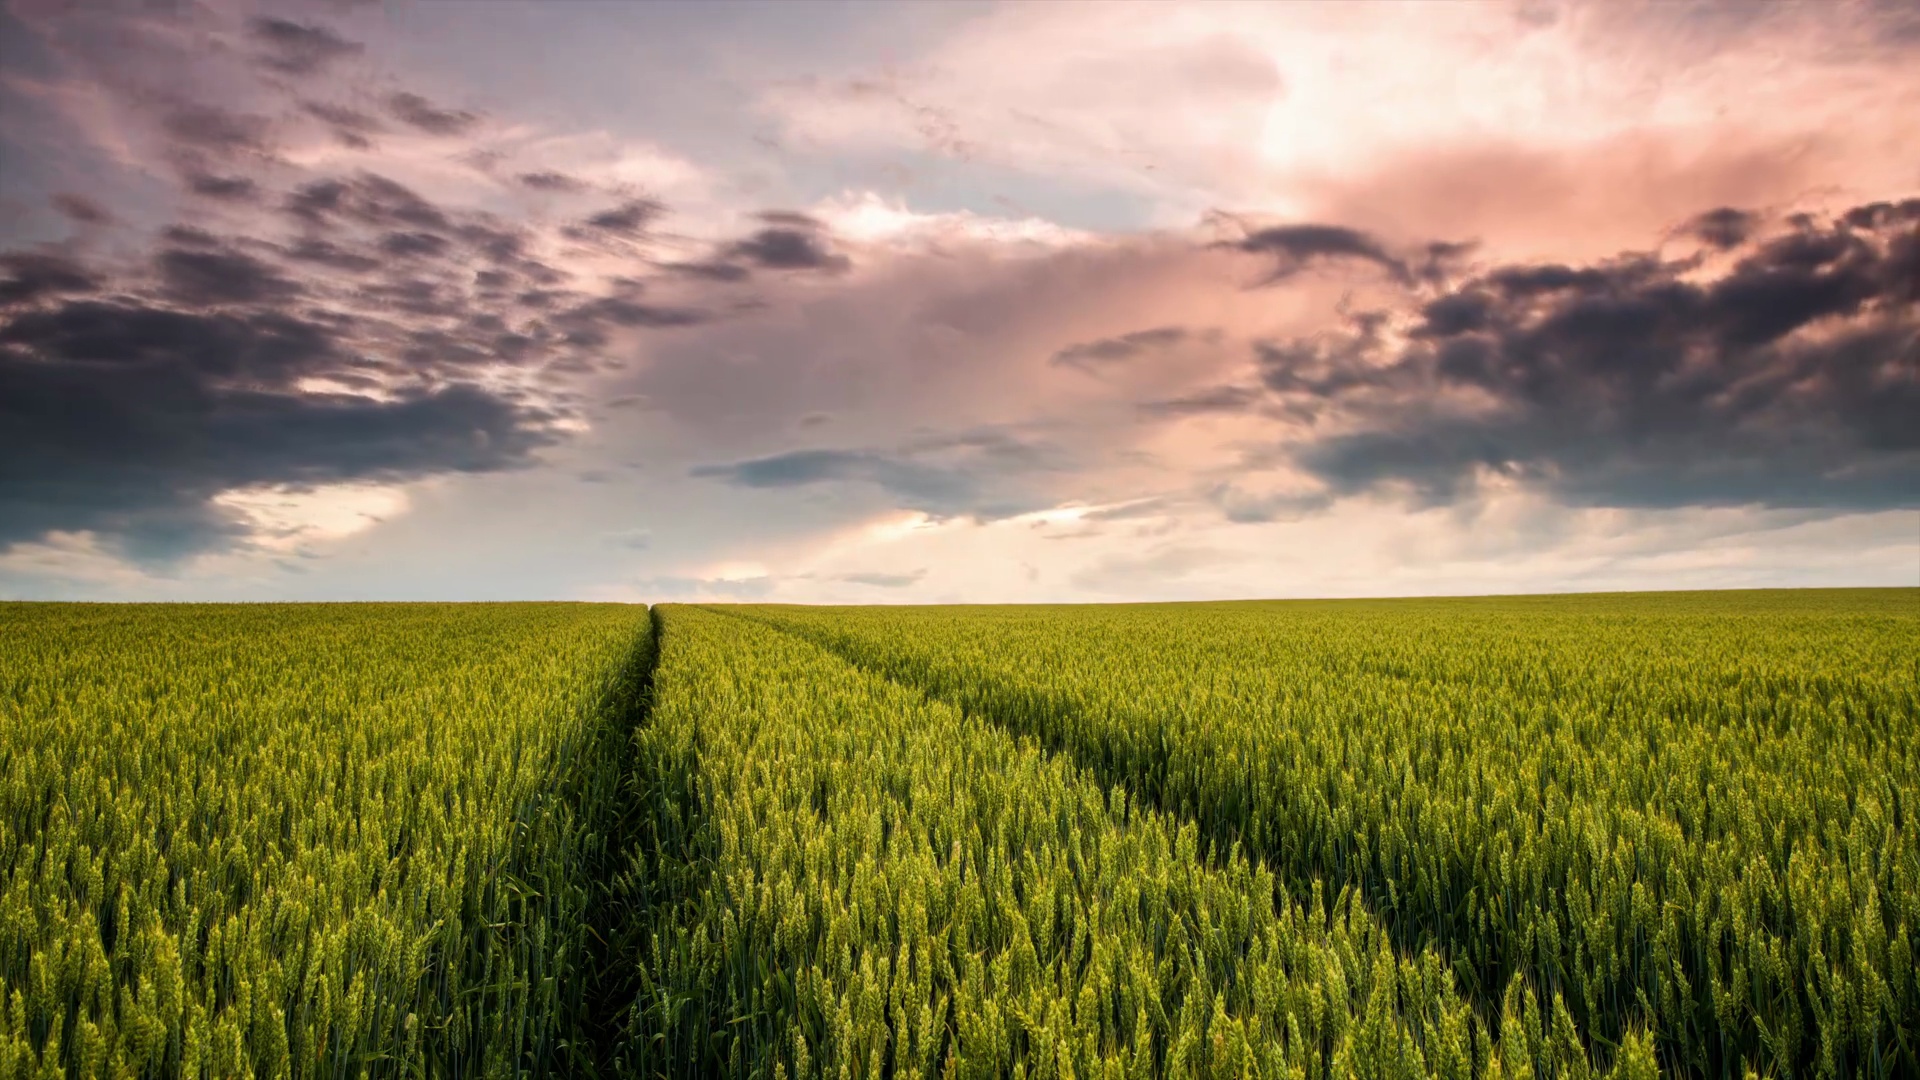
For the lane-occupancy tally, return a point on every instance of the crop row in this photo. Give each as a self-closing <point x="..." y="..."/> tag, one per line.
<point x="310" y="840"/>
<point x="843" y="878"/>
<point x="1493" y="838"/>
<point x="1693" y="813"/>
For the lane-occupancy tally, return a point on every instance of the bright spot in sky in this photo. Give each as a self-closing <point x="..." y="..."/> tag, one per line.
<point x="286" y="517"/>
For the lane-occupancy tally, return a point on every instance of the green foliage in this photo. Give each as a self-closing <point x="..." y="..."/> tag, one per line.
<point x="873" y="884"/>
<point x="1685" y="822"/>
<point x="1558" y="838"/>
<point x="302" y="840"/>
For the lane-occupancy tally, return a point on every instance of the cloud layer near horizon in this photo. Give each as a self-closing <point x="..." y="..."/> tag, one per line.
<point x="1573" y="296"/>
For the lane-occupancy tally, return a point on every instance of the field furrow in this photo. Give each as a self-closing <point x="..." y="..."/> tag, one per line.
<point x="1559" y="838"/>
<point x="898" y="888"/>
<point x="1691" y="812"/>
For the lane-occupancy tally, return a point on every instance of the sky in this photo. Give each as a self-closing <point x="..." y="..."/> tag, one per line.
<point x="923" y="302"/>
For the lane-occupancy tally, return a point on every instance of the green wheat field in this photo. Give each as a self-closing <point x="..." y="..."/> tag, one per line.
<point x="1550" y="837"/>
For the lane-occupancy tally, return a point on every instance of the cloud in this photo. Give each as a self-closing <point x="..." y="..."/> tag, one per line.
<point x="866" y="218"/>
<point x="788" y="241"/>
<point x="711" y="270"/>
<point x="588" y="324"/>
<point x="127" y="421"/>
<point x="792" y="248"/>
<point x="981" y="474"/>
<point x="203" y="278"/>
<point x="919" y="486"/>
<point x="885" y="581"/>
<point x="1295" y="246"/>
<point x="416" y="111"/>
<point x="217" y="130"/>
<point x="1090" y="354"/>
<point x="351" y="127"/>
<point x="33" y="275"/>
<point x="626" y="220"/>
<point x="327" y="253"/>
<point x="793" y="468"/>
<point x="1131" y="509"/>
<point x="223" y="188"/>
<point x="790" y="219"/>
<point x="1507" y="261"/>
<point x="293" y="48"/>
<point x="1725" y="227"/>
<point x="352" y="331"/>
<point x="368" y="199"/>
<point x="1244" y="507"/>
<point x="1218" y="399"/>
<point x="1782" y="376"/>
<point x="1426" y="120"/>
<point x="935" y="370"/>
<point x="548" y="180"/>
<point x="80" y="209"/>
<point x="414" y="244"/>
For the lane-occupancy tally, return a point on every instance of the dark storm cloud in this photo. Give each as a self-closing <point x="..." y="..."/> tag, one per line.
<point x="267" y="348"/>
<point x="550" y="181"/>
<point x="1091" y="354"/>
<point x="340" y="333"/>
<point x="1322" y="368"/>
<point x="351" y="126"/>
<point x="787" y="240"/>
<point x="228" y="361"/>
<point x="504" y="245"/>
<point x="1790" y="378"/>
<point x="293" y="48"/>
<point x="204" y="278"/>
<point x="327" y="253"/>
<point x="213" y="129"/>
<point x="32" y="275"/>
<point x="1724" y="228"/>
<point x="189" y="236"/>
<point x="709" y="271"/>
<point x="787" y="249"/>
<point x="1294" y="246"/>
<point x="623" y="312"/>
<point x="1881" y="215"/>
<point x="414" y="244"/>
<point x="223" y="188"/>
<point x="81" y="209"/>
<point x="588" y="324"/>
<point x="403" y="296"/>
<point x="367" y="199"/>
<point x="1443" y="260"/>
<point x="126" y="419"/>
<point x="790" y="219"/>
<point x="627" y="219"/>
<point x="416" y="111"/>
